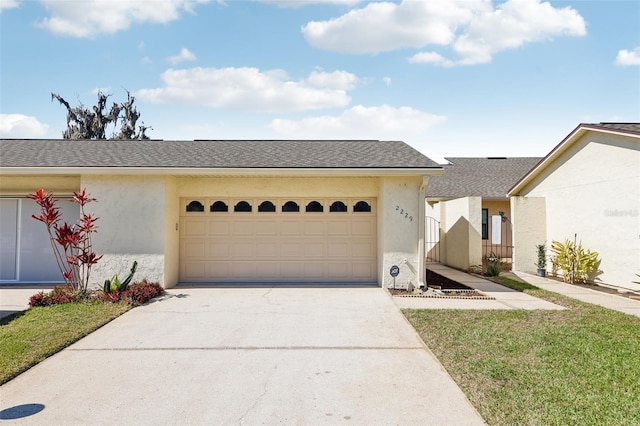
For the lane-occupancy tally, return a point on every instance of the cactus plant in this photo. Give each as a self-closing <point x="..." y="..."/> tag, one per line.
<point x="114" y="283"/>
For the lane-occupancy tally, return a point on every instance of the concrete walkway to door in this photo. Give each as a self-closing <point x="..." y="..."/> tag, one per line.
<point x="245" y="356"/>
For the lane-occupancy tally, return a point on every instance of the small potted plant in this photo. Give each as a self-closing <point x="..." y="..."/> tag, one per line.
<point x="542" y="260"/>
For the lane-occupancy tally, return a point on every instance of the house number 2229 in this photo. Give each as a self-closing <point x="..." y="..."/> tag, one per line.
<point x="404" y="213"/>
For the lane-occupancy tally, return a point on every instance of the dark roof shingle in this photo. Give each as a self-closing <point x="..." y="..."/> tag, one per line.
<point x="488" y="177"/>
<point x="626" y="127"/>
<point x="211" y="154"/>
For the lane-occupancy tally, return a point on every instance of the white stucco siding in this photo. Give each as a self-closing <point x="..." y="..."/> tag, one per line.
<point x="400" y="212"/>
<point x="593" y="191"/>
<point x="131" y="211"/>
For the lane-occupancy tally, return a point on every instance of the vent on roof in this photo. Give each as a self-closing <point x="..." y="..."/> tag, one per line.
<point x="496" y="158"/>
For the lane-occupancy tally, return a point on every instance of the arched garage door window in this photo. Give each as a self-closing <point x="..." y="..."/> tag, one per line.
<point x="361" y="206"/>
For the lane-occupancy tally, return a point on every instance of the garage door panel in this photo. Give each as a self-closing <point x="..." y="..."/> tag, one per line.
<point x="363" y="270"/>
<point x="195" y="249"/>
<point x="360" y="249"/>
<point x="243" y="270"/>
<point x="218" y="228"/>
<point x="291" y="270"/>
<point x="314" y="271"/>
<point x="267" y="271"/>
<point x="243" y="250"/>
<point x="338" y="249"/>
<point x="243" y="227"/>
<point x="290" y="227"/>
<point x="338" y="271"/>
<point x="314" y="249"/>
<point x="314" y="228"/>
<point x="291" y="250"/>
<point x="338" y="228"/>
<point x="218" y="250"/>
<point x="362" y="227"/>
<point x="218" y="271"/>
<point x="194" y="271"/>
<point x="267" y="228"/>
<point x="266" y="249"/>
<point x="193" y="227"/>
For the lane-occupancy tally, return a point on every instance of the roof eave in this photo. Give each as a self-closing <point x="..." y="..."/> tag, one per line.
<point x="231" y="171"/>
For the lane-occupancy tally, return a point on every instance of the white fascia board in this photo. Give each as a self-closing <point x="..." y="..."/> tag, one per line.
<point x="123" y="171"/>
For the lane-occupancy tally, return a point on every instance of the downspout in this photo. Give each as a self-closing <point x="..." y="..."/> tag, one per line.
<point x="421" y="234"/>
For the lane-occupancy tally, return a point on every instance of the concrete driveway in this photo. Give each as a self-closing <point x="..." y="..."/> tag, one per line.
<point x="245" y="356"/>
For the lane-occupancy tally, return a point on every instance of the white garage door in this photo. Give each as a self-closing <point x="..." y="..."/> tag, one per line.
<point x="278" y="240"/>
<point x="26" y="255"/>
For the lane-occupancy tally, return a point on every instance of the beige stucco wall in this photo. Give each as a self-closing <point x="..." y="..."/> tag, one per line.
<point x="238" y="186"/>
<point x="528" y="215"/>
<point x="23" y="185"/>
<point x="172" y="233"/>
<point x="593" y="190"/>
<point x="462" y="225"/>
<point x="132" y="225"/>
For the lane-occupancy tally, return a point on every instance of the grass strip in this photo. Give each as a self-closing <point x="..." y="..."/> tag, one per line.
<point x="27" y="338"/>
<point x="577" y="366"/>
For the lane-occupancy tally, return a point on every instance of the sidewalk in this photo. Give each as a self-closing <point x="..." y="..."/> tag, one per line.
<point x="15" y="299"/>
<point x="611" y="301"/>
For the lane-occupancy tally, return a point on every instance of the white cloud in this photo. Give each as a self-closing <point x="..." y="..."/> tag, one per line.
<point x="300" y="3"/>
<point x="513" y="24"/>
<point x="473" y="29"/>
<point x="387" y="80"/>
<point x="251" y="89"/>
<point x="340" y="80"/>
<point x="184" y="55"/>
<point x="628" y="57"/>
<point x="386" y="26"/>
<point x="8" y="4"/>
<point x="145" y="60"/>
<point x="431" y="58"/>
<point x="89" y="18"/>
<point x="360" y="122"/>
<point x="21" y="126"/>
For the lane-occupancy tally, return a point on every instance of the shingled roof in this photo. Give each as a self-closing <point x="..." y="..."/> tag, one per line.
<point x="211" y="154"/>
<point x="488" y="177"/>
<point x="623" y="127"/>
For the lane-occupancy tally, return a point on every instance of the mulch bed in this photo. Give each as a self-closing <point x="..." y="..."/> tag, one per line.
<point x="450" y="289"/>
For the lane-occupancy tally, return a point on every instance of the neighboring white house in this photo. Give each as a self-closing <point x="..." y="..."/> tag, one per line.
<point x="224" y="211"/>
<point x="587" y="188"/>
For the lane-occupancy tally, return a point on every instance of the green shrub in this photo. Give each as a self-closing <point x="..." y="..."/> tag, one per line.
<point x="574" y="262"/>
<point x="493" y="265"/>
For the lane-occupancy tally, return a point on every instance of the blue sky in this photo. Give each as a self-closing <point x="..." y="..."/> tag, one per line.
<point x="451" y="78"/>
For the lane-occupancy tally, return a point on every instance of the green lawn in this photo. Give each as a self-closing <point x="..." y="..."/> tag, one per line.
<point x="578" y="366"/>
<point x="26" y="338"/>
